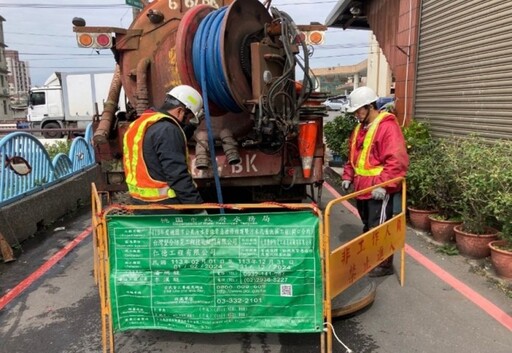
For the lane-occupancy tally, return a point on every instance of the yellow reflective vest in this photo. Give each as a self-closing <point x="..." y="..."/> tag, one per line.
<point x="140" y="184"/>
<point x="362" y="166"/>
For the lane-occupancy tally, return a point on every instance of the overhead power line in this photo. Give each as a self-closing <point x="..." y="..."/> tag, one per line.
<point x="41" y="34"/>
<point x="110" y="6"/>
<point x="70" y="54"/>
<point x="63" y="6"/>
<point x="304" y="3"/>
<point x="58" y="67"/>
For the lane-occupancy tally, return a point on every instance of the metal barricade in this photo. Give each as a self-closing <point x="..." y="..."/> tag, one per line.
<point x="354" y="259"/>
<point x="121" y="236"/>
<point x="273" y="250"/>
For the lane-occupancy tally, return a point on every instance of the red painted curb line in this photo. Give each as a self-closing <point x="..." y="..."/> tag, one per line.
<point x="477" y="299"/>
<point x="484" y="304"/>
<point x="6" y="299"/>
<point x="346" y="204"/>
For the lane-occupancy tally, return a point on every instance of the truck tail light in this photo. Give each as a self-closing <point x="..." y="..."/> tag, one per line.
<point x="311" y="37"/>
<point x="94" y="40"/>
<point x="315" y="37"/>
<point x="104" y="40"/>
<point x="84" y="40"/>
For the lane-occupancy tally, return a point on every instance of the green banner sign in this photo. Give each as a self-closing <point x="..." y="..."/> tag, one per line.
<point x="257" y="272"/>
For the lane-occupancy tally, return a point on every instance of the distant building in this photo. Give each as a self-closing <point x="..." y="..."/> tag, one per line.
<point x="341" y="80"/>
<point x="379" y="72"/>
<point x="5" y="109"/>
<point x="18" y="78"/>
<point x="373" y="72"/>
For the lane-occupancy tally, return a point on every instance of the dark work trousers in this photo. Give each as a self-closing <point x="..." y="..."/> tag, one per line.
<point x="369" y="211"/>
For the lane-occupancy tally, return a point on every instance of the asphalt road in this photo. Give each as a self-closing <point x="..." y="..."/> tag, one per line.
<point x="59" y="312"/>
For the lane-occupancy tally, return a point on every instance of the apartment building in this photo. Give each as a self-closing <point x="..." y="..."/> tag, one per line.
<point x="5" y="109"/>
<point x="18" y="78"/>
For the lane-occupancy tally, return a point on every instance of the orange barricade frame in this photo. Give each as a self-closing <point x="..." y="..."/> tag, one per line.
<point x="101" y="253"/>
<point x="351" y="261"/>
<point x="357" y="257"/>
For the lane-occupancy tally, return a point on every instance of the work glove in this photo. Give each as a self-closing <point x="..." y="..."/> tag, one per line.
<point x="345" y="184"/>
<point x="379" y="193"/>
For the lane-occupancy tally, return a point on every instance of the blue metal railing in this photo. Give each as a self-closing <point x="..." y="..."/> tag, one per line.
<point x="44" y="172"/>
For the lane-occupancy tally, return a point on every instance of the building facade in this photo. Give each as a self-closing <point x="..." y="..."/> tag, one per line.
<point x="18" y="79"/>
<point x="5" y="106"/>
<point x="450" y="60"/>
<point x="379" y="72"/>
<point x="341" y="80"/>
<point x="395" y="26"/>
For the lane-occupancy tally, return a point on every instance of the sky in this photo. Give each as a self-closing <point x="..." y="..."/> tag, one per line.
<point x="42" y="33"/>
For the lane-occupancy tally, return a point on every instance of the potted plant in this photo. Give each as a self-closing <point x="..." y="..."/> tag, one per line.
<point x="476" y="175"/>
<point x="337" y="134"/>
<point x="501" y="205"/>
<point x="501" y="253"/>
<point x="420" y="180"/>
<point x="446" y="192"/>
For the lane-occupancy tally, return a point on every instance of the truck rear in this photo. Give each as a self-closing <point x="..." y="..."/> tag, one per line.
<point x="262" y="138"/>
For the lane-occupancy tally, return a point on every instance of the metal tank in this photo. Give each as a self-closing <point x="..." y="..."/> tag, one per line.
<point x="241" y="54"/>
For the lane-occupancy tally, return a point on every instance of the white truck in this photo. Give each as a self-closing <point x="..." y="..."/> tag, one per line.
<point x="68" y="101"/>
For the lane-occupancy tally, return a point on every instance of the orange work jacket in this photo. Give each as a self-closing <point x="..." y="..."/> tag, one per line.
<point x="140" y="184"/>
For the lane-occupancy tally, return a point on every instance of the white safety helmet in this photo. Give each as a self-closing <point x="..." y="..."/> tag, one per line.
<point x="360" y="97"/>
<point x="189" y="97"/>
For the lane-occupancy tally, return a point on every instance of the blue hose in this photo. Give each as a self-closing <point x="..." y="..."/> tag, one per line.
<point x="202" y="56"/>
<point x="207" y="46"/>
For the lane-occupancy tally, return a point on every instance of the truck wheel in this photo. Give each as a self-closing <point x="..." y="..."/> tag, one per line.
<point x="52" y="134"/>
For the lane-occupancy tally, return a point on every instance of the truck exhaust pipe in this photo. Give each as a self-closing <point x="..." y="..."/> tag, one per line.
<point x="142" y="86"/>
<point x="202" y="158"/>
<point x="230" y="147"/>
<point x="109" y="109"/>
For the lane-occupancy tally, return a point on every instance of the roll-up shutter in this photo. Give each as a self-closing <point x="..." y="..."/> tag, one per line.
<point x="464" y="74"/>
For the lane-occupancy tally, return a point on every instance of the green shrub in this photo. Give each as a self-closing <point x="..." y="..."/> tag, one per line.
<point x="337" y="134"/>
<point x="421" y="178"/>
<point x="57" y="147"/>
<point x="466" y="178"/>
<point x="446" y="191"/>
<point x="501" y="202"/>
<point x="416" y="135"/>
<point x="477" y="168"/>
<point x="422" y="161"/>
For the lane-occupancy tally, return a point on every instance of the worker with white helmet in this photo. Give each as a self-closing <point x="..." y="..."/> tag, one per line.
<point x="377" y="153"/>
<point x="155" y="152"/>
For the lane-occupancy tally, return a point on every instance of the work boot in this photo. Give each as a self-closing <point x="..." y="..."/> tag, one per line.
<point x="385" y="268"/>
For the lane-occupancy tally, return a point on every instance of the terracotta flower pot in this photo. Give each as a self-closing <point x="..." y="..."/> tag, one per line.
<point x="442" y="230"/>
<point x="474" y="245"/>
<point x="419" y="218"/>
<point x="501" y="259"/>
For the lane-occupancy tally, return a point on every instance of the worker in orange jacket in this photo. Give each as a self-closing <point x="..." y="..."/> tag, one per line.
<point x="377" y="153"/>
<point x="155" y="153"/>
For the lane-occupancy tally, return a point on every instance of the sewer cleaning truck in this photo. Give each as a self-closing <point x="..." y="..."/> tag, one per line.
<point x="252" y="63"/>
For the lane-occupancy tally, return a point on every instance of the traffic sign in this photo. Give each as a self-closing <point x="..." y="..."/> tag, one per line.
<point x="135" y="3"/>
